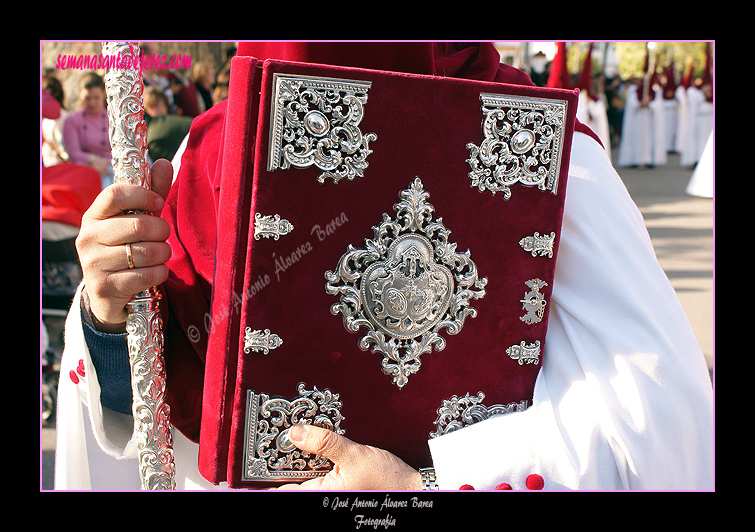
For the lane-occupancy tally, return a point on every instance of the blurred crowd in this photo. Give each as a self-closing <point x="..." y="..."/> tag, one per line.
<point x="639" y="121"/>
<point x="76" y="156"/>
<point x="643" y="118"/>
<point x="77" y="164"/>
<point x="172" y="98"/>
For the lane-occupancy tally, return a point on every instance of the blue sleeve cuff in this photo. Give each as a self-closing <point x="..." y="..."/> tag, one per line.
<point x="109" y="354"/>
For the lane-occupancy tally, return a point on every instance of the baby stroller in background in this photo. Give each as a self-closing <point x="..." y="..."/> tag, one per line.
<point x="61" y="275"/>
<point x="67" y="190"/>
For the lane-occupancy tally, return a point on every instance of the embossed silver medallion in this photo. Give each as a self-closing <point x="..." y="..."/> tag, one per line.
<point x="315" y="122"/>
<point x="539" y="245"/>
<point x="457" y="413"/>
<point x="405" y="285"/>
<point x="271" y="226"/>
<point x="269" y="454"/>
<point x="522" y="143"/>
<point x="260" y="341"/>
<point x="525" y="353"/>
<point x="533" y="302"/>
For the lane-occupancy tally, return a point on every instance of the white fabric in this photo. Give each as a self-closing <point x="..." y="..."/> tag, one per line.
<point x="670" y="111"/>
<point x="699" y="126"/>
<point x="682" y="119"/>
<point x="623" y="399"/>
<point x="594" y="115"/>
<point x="643" y="132"/>
<point x="96" y="447"/>
<point x="701" y="182"/>
<point x="52" y="135"/>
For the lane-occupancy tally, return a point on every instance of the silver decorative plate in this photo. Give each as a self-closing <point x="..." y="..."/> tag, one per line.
<point x="522" y="142"/>
<point x="405" y="285"/>
<point x="269" y="454"/>
<point x="315" y="122"/>
<point x="460" y="412"/>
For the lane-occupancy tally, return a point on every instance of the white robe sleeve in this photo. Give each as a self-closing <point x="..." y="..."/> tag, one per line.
<point x="96" y="448"/>
<point x="92" y="441"/>
<point x="623" y="399"/>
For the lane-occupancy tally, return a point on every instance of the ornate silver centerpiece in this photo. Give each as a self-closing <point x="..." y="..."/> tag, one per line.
<point x="405" y="286"/>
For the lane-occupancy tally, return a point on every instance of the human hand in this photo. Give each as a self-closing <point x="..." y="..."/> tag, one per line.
<point x="355" y="466"/>
<point x="106" y="228"/>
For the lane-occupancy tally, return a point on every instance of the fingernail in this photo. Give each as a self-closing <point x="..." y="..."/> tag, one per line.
<point x="297" y="433"/>
<point x="159" y="203"/>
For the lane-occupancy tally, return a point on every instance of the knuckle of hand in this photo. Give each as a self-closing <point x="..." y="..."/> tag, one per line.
<point x="87" y="261"/>
<point x="136" y="227"/>
<point x="83" y="240"/>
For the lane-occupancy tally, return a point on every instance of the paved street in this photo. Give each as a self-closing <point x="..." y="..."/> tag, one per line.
<point x="681" y="228"/>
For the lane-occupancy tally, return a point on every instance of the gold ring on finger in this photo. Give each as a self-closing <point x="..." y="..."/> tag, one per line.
<point x="129" y="257"/>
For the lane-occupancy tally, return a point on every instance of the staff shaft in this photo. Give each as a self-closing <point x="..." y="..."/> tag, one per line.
<point x="128" y="140"/>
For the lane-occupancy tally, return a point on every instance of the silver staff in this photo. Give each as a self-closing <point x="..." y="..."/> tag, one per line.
<point x="128" y="140"/>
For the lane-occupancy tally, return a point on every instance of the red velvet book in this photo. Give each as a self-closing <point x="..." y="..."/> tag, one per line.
<point x="388" y="244"/>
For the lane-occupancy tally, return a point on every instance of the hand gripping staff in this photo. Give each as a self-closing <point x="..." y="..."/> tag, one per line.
<point x="128" y="140"/>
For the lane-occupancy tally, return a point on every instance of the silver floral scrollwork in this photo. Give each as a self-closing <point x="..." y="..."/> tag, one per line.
<point x="127" y="133"/>
<point x="405" y="285"/>
<point x="522" y="143"/>
<point x="125" y="108"/>
<point x="539" y="245"/>
<point x="533" y="302"/>
<point x="460" y="412"/>
<point x="315" y="122"/>
<point x="529" y="354"/>
<point x="269" y="454"/>
<point x="260" y="341"/>
<point x="271" y="226"/>
<point x="144" y="324"/>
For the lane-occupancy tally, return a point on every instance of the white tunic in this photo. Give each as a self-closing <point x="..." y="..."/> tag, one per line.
<point x="699" y="126"/>
<point x="682" y="119"/>
<point x="701" y="182"/>
<point x="623" y="399"/>
<point x="594" y="115"/>
<point x="643" y="132"/>
<point x="670" y="111"/>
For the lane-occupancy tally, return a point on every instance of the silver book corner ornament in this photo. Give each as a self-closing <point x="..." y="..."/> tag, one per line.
<point x="522" y="143"/>
<point x="124" y="89"/>
<point x="405" y="286"/>
<point x="269" y="454"/>
<point x="459" y="412"/>
<point x="315" y="122"/>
